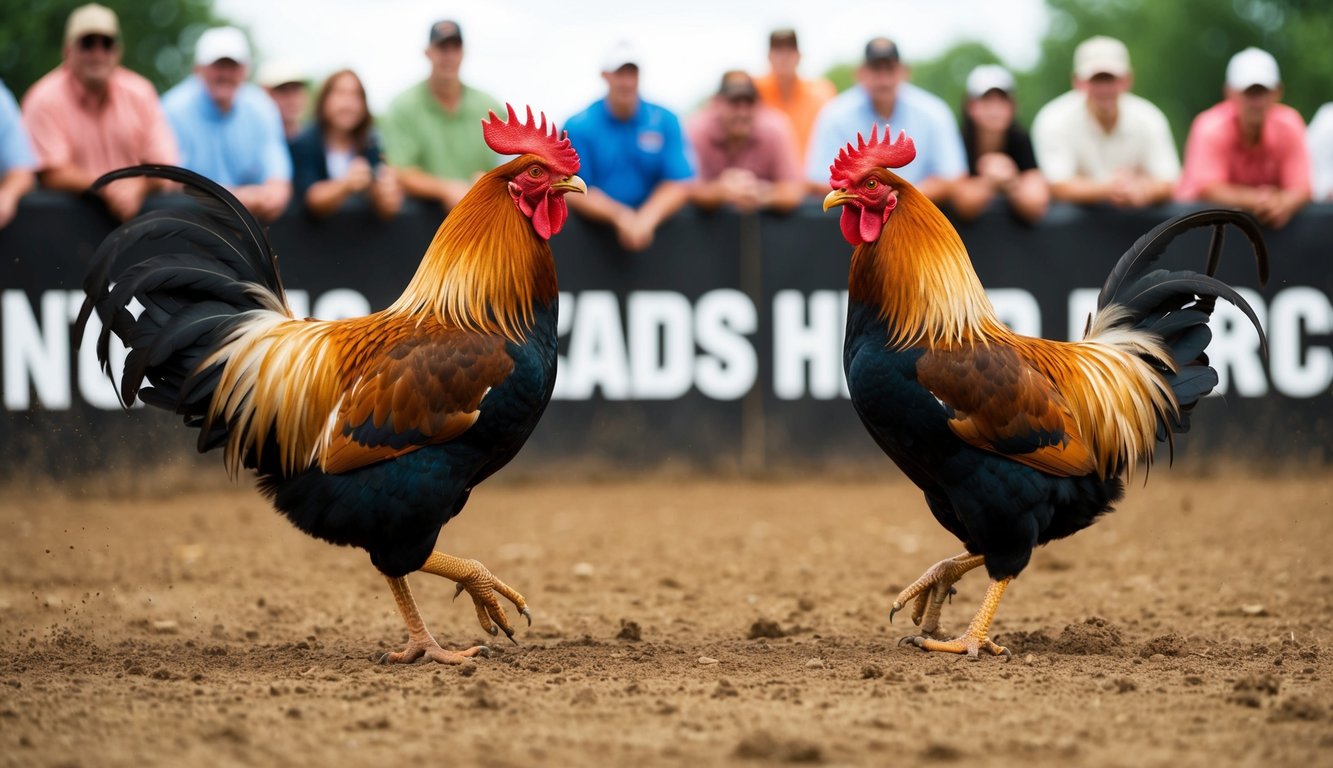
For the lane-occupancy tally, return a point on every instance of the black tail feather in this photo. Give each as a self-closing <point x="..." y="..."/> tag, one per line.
<point x="1176" y="305"/>
<point x="197" y="272"/>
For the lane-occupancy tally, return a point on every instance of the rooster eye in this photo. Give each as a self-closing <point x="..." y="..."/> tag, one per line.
<point x="535" y="171"/>
<point x="871" y="184"/>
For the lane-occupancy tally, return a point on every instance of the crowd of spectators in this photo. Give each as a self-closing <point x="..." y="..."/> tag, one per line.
<point x="760" y="142"/>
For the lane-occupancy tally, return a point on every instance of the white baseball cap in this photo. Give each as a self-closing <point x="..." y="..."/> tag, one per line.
<point x="989" y="77"/>
<point x="1250" y="67"/>
<point x="221" y="43"/>
<point x="620" y="55"/>
<point x="1100" y="55"/>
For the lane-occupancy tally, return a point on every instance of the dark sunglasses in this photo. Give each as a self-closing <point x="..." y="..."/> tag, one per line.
<point x="89" y="42"/>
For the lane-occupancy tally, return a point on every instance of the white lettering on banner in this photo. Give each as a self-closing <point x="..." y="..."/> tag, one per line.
<point x="661" y="344"/>
<point x="663" y="331"/>
<point x="597" y="356"/>
<point x="1291" y="310"/>
<point x="1082" y="305"/>
<point x="808" y="336"/>
<point x="1017" y="309"/>
<point x="722" y="319"/>
<point x="36" y="352"/>
<point x="1234" y="350"/>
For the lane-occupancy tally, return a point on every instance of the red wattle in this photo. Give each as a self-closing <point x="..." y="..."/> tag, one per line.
<point x="850" y="223"/>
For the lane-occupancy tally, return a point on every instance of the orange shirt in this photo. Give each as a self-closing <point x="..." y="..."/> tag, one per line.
<point x="803" y="106"/>
<point x="69" y="126"/>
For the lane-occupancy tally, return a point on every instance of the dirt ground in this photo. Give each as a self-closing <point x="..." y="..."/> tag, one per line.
<point x="678" y="622"/>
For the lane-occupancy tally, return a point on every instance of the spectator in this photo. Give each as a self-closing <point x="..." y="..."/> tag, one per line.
<point x="746" y="151"/>
<point x="1320" y="138"/>
<point x="16" y="159"/>
<point x="786" y="91"/>
<point x="1099" y="142"/>
<point x="90" y="115"/>
<point x="229" y="130"/>
<point x="431" y="134"/>
<point x="633" y="156"/>
<point x="339" y="155"/>
<point x="1000" y="160"/>
<point x="1249" y="151"/>
<point x="884" y="97"/>
<point x="287" y="85"/>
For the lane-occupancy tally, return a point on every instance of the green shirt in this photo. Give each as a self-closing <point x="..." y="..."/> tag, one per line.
<point x="419" y="133"/>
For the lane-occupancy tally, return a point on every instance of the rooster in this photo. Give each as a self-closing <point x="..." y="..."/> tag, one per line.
<point x="370" y="432"/>
<point x="1015" y="441"/>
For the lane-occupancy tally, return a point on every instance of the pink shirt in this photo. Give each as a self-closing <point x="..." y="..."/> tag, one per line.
<point x="1215" y="153"/>
<point x="69" y="126"/>
<point x="770" y="152"/>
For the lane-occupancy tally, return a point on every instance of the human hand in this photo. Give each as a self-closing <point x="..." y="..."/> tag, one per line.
<point x="124" y="197"/>
<point x="741" y="188"/>
<point x="358" y="176"/>
<point x="633" y="230"/>
<point x="997" y="168"/>
<point x="9" y="205"/>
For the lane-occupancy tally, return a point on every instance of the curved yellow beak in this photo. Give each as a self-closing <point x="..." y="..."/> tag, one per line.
<point x="837" y="197"/>
<point x="571" y="184"/>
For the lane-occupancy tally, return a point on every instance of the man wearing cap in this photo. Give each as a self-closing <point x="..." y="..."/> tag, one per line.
<point x="285" y="82"/>
<point x="633" y="156"/>
<point x="431" y="134"/>
<point x="746" y="151"/>
<point x="1249" y="151"/>
<point x="230" y="130"/>
<point x="1000" y="160"/>
<point x="1099" y="143"/>
<point x="90" y="115"/>
<point x="785" y="90"/>
<point x="884" y="97"/>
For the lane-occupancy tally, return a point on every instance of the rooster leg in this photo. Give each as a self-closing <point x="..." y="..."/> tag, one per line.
<point x="419" y="640"/>
<point x="932" y="588"/>
<point x="481" y="585"/>
<point x="974" y="640"/>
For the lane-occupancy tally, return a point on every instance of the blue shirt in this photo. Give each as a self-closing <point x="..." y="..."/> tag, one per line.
<point x="242" y="147"/>
<point x="627" y="159"/>
<point x="926" y="118"/>
<point x="15" y="149"/>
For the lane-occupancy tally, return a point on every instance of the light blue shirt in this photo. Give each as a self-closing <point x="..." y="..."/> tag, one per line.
<point x="15" y="149"/>
<point x="242" y="147"/>
<point x="627" y="159"/>
<point x="927" y="119"/>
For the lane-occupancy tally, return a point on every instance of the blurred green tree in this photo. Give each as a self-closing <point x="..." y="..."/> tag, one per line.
<point x="157" y="34"/>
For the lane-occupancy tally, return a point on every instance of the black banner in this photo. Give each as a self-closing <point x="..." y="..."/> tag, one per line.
<point x="718" y="348"/>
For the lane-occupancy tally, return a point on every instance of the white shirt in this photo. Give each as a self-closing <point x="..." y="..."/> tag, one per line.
<point x="1319" y="137"/>
<point x="1069" y="141"/>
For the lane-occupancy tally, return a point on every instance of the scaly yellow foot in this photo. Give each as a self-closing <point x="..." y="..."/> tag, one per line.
<point x="481" y="585"/>
<point x="419" y="640"/>
<point x="975" y="639"/>
<point x="932" y="588"/>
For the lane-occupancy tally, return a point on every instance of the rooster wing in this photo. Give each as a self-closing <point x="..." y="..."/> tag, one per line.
<point x="996" y="400"/>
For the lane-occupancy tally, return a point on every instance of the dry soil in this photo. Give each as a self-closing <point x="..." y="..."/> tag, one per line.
<point x="677" y="622"/>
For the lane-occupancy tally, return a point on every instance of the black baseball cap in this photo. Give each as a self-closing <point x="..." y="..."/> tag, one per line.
<point x="445" y="32"/>
<point x="882" y="50"/>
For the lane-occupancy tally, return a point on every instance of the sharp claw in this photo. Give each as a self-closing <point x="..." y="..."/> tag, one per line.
<point x="528" y="614"/>
<point x="909" y="640"/>
<point x="384" y="659"/>
<point x="510" y="634"/>
<point x="493" y="630"/>
<point x="897" y="606"/>
<point x="458" y="589"/>
<point x="951" y="593"/>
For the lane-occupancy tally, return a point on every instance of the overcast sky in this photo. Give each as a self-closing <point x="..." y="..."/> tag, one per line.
<point x="548" y="54"/>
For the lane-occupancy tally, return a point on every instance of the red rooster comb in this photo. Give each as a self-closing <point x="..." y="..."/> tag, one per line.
<point x="515" y="138"/>
<point x="854" y="162"/>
